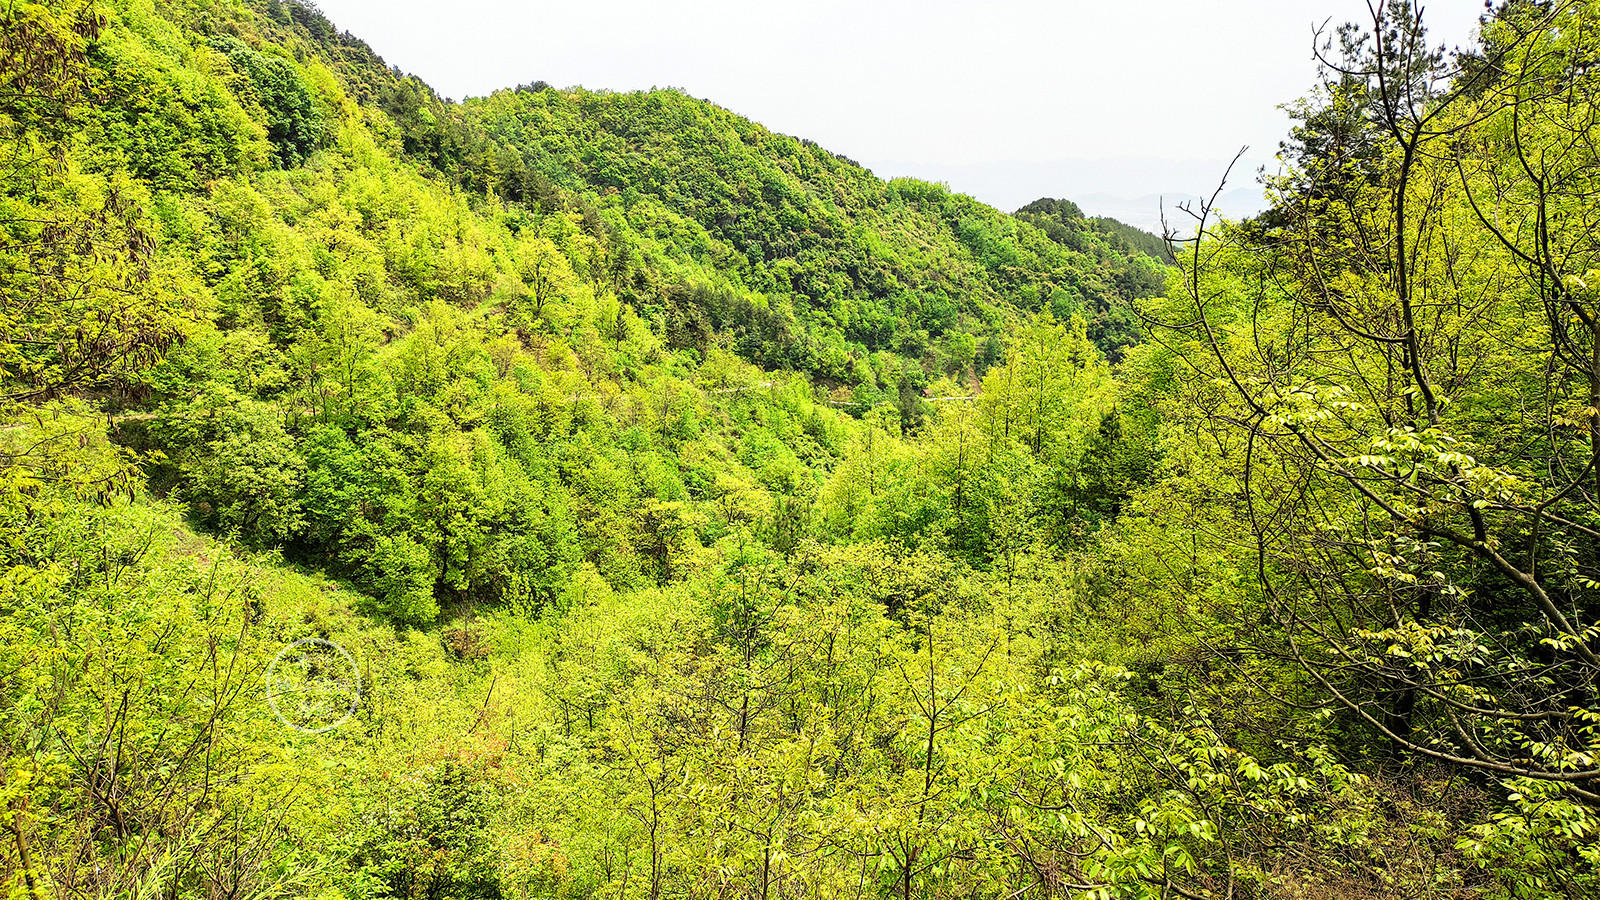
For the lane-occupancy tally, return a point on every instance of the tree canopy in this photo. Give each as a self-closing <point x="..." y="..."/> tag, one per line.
<point x="574" y="494"/>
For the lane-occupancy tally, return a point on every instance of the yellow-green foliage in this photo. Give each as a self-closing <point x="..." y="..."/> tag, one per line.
<point x="706" y="517"/>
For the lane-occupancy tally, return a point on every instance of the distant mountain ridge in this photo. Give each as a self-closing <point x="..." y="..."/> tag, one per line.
<point x="1146" y="212"/>
<point x="1011" y="184"/>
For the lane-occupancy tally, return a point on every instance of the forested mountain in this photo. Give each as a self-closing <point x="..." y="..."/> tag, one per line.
<point x="692" y="202"/>
<point x="573" y="494"/>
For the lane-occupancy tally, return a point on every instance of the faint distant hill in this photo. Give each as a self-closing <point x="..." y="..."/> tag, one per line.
<point x="1010" y="184"/>
<point x="1145" y="212"/>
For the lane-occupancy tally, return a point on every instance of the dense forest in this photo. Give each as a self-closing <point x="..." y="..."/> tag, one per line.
<point x="576" y="494"/>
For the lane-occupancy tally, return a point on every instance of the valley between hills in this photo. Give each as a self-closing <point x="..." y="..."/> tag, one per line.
<point x="566" y="493"/>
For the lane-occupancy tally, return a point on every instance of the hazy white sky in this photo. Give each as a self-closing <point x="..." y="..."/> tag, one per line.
<point x="932" y="82"/>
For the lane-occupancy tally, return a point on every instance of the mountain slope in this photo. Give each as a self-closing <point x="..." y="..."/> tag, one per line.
<point x="514" y="386"/>
<point x="701" y="516"/>
<point x="861" y="264"/>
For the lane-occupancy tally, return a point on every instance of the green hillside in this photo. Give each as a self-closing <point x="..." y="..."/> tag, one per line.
<point x="697" y="208"/>
<point x="570" y="494"/>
